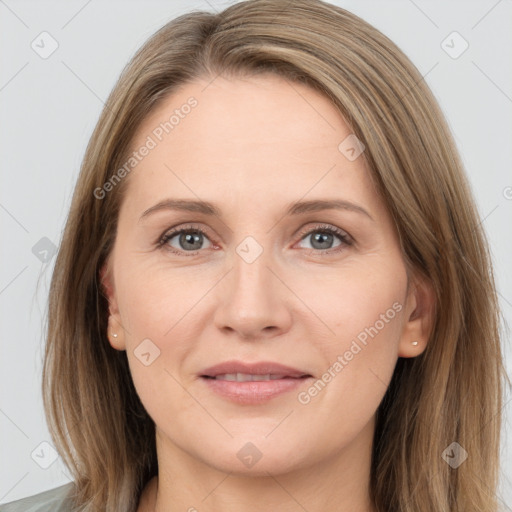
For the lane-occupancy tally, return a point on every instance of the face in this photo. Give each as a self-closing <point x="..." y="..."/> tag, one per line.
<point x="272" y="276"/>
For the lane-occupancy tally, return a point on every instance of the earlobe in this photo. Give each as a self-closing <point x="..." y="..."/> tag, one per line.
<point x="115" y="332"/>
<point x="419" y="311"/>
<point x="115" y="335"/>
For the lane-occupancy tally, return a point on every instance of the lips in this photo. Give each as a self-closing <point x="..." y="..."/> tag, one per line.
<point x="252" y="383"/>
<point x="242" y="372"/>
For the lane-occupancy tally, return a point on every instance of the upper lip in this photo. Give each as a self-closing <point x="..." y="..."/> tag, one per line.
<point x="258" y="368"/>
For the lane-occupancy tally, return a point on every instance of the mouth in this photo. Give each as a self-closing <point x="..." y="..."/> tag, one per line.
<point x="241" y="371"/>
<point x="252" y="383"/>
<point x="251" y="377"/>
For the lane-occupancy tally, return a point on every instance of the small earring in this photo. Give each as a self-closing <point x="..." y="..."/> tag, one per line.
<point x="414" y="343"/>
<point x="114" y="335"/>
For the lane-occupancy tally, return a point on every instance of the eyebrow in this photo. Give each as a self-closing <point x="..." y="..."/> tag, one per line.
<point x="295" y="208"/>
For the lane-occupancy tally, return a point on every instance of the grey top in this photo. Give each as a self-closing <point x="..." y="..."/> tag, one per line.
<point x="53" y="500"/>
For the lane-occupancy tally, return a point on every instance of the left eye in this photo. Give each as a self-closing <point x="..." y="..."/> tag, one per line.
<point x="322" y="239"/>
<point x="187" y="239"/>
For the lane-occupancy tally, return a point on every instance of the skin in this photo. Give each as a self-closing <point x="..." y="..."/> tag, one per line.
<point x="252" y="146"/>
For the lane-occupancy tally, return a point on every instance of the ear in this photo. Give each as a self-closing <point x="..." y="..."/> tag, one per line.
<point x="114" y="319"/>
<point x="419" y="317"/>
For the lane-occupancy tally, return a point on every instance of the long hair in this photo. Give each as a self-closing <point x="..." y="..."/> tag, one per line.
<point x="451" y="393"/>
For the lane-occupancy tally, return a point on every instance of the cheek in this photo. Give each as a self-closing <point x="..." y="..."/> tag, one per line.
<point x="360" y="296"/>
<point x="155" y="298"/>
<point x="365" y="311"/>
<point x="163" y="320"/>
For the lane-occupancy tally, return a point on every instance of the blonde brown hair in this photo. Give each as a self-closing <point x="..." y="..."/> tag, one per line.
<point x="450" y="393"/>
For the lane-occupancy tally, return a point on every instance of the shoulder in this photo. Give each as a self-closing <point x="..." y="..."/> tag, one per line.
<point x="53" y="500"/>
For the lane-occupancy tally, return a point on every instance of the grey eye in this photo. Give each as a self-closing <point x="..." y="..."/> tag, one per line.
<point x="187" y="240"/>
<point x="321" y="240"/>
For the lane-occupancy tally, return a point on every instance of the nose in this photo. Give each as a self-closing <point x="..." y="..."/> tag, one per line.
<point x="253" y="301"/>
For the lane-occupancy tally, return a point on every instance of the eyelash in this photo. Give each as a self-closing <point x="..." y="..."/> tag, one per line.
<point x="345" y="239"/>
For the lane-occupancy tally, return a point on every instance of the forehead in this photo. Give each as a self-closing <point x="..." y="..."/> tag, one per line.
<point x="248" y="139"/>
<point x="252" y="110"/>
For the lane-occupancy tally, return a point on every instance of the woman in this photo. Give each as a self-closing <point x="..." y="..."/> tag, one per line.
<point x="273" y="290"/>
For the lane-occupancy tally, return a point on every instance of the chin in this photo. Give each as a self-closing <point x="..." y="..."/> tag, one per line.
<point x="258" y="456"/>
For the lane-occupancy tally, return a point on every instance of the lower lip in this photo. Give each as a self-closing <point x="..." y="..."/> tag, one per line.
<point x="253" y="392"/>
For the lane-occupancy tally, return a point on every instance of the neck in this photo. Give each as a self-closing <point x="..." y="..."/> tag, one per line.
<point x="336" y="483"/>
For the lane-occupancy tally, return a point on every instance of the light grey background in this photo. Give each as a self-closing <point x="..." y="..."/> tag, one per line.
<point x="49" y="108"/>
